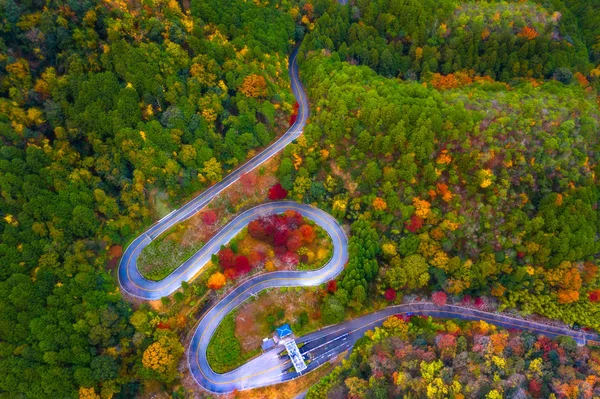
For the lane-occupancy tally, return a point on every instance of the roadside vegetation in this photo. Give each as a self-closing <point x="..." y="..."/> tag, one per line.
<point x="167" y="252"/>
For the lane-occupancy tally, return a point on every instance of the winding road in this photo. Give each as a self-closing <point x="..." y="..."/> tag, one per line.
<point x="319" y="347"/>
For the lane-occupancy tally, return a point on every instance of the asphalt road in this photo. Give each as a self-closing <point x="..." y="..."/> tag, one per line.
<point x="320" y="346"/>
<point x="130" y="278"/>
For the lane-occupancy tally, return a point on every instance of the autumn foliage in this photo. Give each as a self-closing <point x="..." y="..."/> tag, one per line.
<point x="528" y="33"/>
<point x="277" y="192"/>
<point x="216" y="281"/>
<point x="439" y="298"/>
<point x="390" y="294"/>
<point x="254" y="86"/>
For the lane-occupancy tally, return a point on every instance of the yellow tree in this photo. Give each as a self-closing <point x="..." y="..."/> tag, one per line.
<point x="254" y="86"/>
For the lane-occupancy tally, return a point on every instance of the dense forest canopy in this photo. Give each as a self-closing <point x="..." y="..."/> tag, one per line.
<point x="483" y="180"/>
<point x="426" y="358"/>
<point x="102" y="103"/>
<point x="459" y="139"/>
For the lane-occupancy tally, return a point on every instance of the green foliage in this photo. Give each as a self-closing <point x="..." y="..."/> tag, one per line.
<point x="224" y="351"/>
<point x="501" y="39"/>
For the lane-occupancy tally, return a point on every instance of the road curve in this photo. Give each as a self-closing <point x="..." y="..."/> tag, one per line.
<point x="132" y="281"/>
<point x="270" y="368"/>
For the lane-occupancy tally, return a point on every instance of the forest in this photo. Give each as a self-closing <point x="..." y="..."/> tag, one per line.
<point x="457" y="140"/>
<point x="429" y="358"/>
<point x="483" y="187"/>
<point x="106" y="106"/>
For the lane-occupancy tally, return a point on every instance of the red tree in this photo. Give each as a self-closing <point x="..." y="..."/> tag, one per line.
<point x="256" y="258"/>
<point x="281" y="235"/>
<point x="390" y="294"/>
<point x="226" y="257"/>
<point x="439" y="298"/>
<point x="594" y="296"/>
<point x="415" y="224"/>
<point x="242" y="265"/>
<point x="294" y="242"/>
<point x="332" y="286"/>
<point x="293" y="118"/>
<point x="256" y="230"/>
<point x="479" y="303"/>
<point x="209" y="218"/>
<point x="290" y="258"/>
<point x="277" y="192"/>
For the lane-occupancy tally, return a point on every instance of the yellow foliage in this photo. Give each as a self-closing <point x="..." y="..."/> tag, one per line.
<point x="389" y="249"/>
<point x="254" y="86"/>
<point x="440" y="260"/>
<point x="422" y="207"/>
<point x="269" y="266"/>
<point x="297" y="161"/>
<point x="143" y="135"/>
<point x="419" y="53"/>
<point x="88" y="393"/>
<point x="10" y="219"/>
<point x="156" y="357"/>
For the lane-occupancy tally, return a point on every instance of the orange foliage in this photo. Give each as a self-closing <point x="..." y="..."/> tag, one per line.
<point x="581" y="79"/>
<point x="444" y="158"/>
<point x="567" y="296"/>
<point x="444" y="191"/>
<point x="485" y="34"/>
<point x="379" y="204"/>
<point x="498" y="342"/>
<point x="216" y="280"/>
<point x="590" y="271"/>
<point x="451" y="81"/>
<point x="422" y="207"/>
<point x="528" y="33"/>
<point x="254" y="86"/>
<point x="308" y="233"/>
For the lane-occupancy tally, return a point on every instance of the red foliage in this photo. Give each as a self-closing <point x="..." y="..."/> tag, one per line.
<point x="293" y="118"/>
<point x="594" y="296"/>
<point x="279" y="250"/>
<point x="415" y="224"/>
<point x="230" y="273"/>
<point x="292" y="219"/>
<point x="209" y="218"/>
<point x="277" y="192"/>
<point x="439" y="298"/>
<point x="308" y="233"/>
<point x="296" y="107"/>
<point x="479" y="303"/>
<point x="163" y="326"/>
<point x="281" y="235"/>
<point x="242" y="264"/>
<point x="520" y="254"/>
<point x="467" y="300"/>
<point x="226" y="257"/>
<point x="390" y="294"/>
<point x="256" y="258"/>
<point x="290" y="258"/>
<point x="256" y="230"/>
<point x="294" y="242"/>
<point x="332" y="286"/>
<point x="535" y="388"/>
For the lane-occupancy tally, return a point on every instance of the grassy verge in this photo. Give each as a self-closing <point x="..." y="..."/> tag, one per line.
<point x="224" y="352"/>
<point x="181" y="241"/>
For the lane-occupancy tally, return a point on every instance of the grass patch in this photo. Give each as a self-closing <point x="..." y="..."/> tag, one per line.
<point x="162" y="256"/>
<point x="224" y="352"/>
